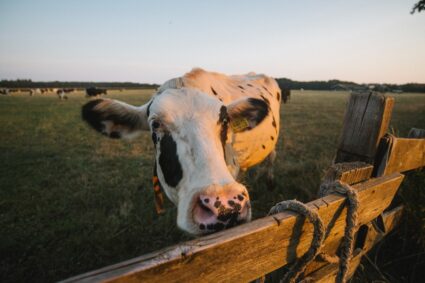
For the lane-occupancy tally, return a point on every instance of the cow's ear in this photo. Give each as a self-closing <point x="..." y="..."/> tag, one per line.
<point x="115" y="119"/>
<point x="247" y="113"/>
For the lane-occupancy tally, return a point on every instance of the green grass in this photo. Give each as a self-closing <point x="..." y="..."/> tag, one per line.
<point x="72" y="201"/>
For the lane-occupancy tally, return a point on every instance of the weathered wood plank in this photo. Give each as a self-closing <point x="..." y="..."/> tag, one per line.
<point x="399" y="155"/>
<point x="366" y="120"/>
<point x="248" y="251"/>
<point x="328" y="272"/>
<point x="348" y="172"/>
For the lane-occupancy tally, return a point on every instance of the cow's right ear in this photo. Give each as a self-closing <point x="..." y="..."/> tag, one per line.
<point x="115" y="119"/>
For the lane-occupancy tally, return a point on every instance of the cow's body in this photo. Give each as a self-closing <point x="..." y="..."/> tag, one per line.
<point x="205" y="126"/>
<point x="94" y="92"/>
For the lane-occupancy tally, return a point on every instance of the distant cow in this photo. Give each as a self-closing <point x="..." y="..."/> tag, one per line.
<point x="68" y="90"/>
<point x="93" y="91"/>
<point x="61" y="94"/>
<point x="286" y="95"/>
<point x="205" y="128"/>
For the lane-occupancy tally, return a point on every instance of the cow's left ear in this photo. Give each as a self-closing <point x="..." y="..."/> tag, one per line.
<point x="115" y="119"/>
<point x="247" y="113"/>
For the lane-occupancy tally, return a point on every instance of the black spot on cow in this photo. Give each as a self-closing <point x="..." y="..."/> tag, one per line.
<point x="266" y="89"/>
<point x="241" y="87"/>
<point x="263" y="146"/>
<point x="274" y="124"/>
<point x="213" y="90"/>
<point x="250" y="85"/>
<point x="272" y="138"/>
<point x="154" y="138"/>
<point x="223" y="119"/>
<point x="148" y="110"/>
<point x="220" y="99"/>
<point x="169" y="161"/>
<point x="278" y="96"/>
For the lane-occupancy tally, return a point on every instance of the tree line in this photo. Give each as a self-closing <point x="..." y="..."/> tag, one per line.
<point x="284" y="83"/>
<point x="27" y="83"/>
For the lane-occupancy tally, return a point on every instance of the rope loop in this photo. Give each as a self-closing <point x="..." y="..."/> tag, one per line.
<point x="347" y="246"/>
<point x="316" y="243"/>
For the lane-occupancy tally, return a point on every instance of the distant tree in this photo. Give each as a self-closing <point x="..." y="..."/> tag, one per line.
<point x="420" y="6"/>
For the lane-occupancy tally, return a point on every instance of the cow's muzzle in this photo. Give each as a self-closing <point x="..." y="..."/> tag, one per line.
<point x="220" y="207"/>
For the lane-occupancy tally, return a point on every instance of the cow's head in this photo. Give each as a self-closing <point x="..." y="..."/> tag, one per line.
<point x="189" y="130"/>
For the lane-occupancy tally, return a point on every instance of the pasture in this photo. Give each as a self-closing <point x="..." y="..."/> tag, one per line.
<point x="72" y="200"/>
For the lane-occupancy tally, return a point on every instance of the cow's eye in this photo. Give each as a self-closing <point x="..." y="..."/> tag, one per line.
<point x="155" y="125"/>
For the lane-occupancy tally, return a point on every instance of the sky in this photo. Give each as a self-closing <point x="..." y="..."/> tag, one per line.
<point x="151" y="41"/>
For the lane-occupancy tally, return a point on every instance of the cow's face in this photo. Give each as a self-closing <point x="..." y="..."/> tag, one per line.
<point x="189" y="129"/>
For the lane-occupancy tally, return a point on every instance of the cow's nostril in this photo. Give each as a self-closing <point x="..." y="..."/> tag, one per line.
<point x="204" y="208"/>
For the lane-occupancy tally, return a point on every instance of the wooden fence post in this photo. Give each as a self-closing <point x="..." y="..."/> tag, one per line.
<point x="366" y="120"/>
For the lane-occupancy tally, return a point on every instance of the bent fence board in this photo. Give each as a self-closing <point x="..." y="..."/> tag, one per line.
<point x="390" y="220"/>
<point x="248" y="251"/>
<point x="404" y="154"/>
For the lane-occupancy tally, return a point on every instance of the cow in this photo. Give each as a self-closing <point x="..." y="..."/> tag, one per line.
<point x="206" y="127"/>
<point x="68" y="90"/>
<point x="61" y="94"/>
<point x="286" y="95"/>
<point x="4" y="91"/>
<point x="94" y="92"/>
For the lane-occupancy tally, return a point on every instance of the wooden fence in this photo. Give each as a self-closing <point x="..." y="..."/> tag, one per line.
<point x="367" y="158"/>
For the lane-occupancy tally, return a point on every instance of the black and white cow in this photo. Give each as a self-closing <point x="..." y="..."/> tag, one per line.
<point x="4" y="91"/>
<point x="93" y="92"/>
<point x="61" y="94"/>
<point x="205" y="127"/>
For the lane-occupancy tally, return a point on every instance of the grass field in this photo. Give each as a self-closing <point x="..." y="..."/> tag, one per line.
<point x="72" y="201"/>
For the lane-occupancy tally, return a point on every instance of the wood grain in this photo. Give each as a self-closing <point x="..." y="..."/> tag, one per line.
<point x="366" y="120"/>
<point x="399" y="155"/>
<point x="348" y="172"/>
<point x="249" y="251"/>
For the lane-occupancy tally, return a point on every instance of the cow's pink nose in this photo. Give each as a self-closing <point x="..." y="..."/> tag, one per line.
<point x="218" y="208"/>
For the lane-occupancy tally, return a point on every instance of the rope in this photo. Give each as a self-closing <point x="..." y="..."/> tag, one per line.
<point x="316" y="243"/>
<point x="319" y="235"/>
<point x="350" y="220"/>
